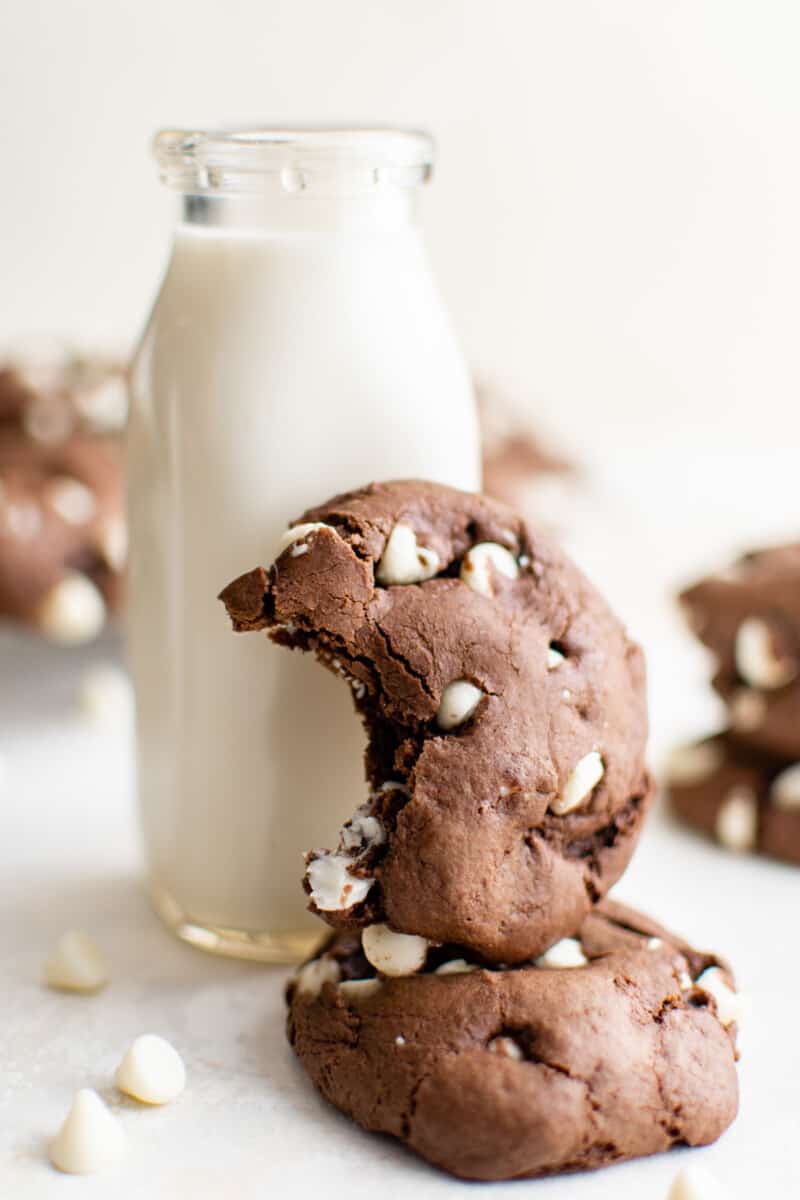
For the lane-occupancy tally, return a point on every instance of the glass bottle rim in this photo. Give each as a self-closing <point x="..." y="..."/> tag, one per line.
<point x="303" y="158"/>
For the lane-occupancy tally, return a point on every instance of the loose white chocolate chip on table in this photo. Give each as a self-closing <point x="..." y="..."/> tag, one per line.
<point x="731" y="1005"/>
<point x="404" y="561"/>
<point x="71" y="500"/>
<point x="298" y="533"/>
<point x="151" y="1071"/>
<point x="76" y="964"/>
<point x="584" y="779"/>
<point x="458" y="703"/>
<point x="695" y="1183"/>
<point x="748" y="710"/>
<point x="736" y="825"/>
<point x="73" y="611"/>
<point x="455" y="966"/>
<point x="563" y="955"/>
<point x="688" y="765"/>
<point x="90" y="1138"/>
<point x="785" y="790"/>
<point x="476" y="569"/>
<point x="105" y="695"/>
<point x="506" y="1047"/>
<point x="311" y="977"/>
<point x="332" y="884"/>
<point x="554" y="658"/>
<point x="756" y="659"/>
<point x="360" y="989"/>
<point x="393" y="953"/>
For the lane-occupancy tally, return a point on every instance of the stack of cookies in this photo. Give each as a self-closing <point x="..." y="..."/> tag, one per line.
<point x="62" y="527"/>
<point x="742" y="786"/>
<point x="478" y="997"/>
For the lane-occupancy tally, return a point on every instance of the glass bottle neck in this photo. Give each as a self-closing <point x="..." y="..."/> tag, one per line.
<point x="278" y="211"/>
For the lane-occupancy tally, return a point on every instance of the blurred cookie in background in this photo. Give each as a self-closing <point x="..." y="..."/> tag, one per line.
<point x="63" y="540"/>
<point x="748" y="616"/>
<point x="518" y="468"/>
<point x="745" y="800"/>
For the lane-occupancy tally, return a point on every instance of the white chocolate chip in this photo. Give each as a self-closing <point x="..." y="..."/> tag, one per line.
<point x="654" y="943"/>
<point x="476" y="569"/>
<point x="90" y="1138"/>
<point x="689" y="765"/>
<point x="748" y="710"/>
<point x="686" y="982"/>
<point x="399" y="1040"/>
<point x="756" y="658"/>
<point x="732" y="1006"/>
<point x="73" y="611"/>
<point x="554" y="658"/>
<point x="48" y="419"/>
<point x="360" y="989"/>
<point x="76" y="964"/>
<point x="151" y="1071"/>
<point x="458" y="703"/>
<point x="785" y="790"/>
<point x="695" y="1183"/>
<point x="298" y="534"/>
<point x="332" y="884"/>
<point x="362" y="831"/>
<point x="71" y="500"/>
<point x="563" y="955"/>
<point x="311" y="977"/>
<point x="506" y="1047"/>
<point x="404" y="561"/>
<point x="105" y="695"/>
<point x="112" y="542"/>
<point x="584" y="779"/>
<point x="393" y="953"/>
<point x="23" y="520"/>
<point x="736" y="825"/>
<point x="105" y="406"/>
<point x="456" y="966"/>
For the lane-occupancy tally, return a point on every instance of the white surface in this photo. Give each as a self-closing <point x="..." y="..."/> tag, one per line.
<point x="249" y="1124"/>
<point x="614" y="222"/>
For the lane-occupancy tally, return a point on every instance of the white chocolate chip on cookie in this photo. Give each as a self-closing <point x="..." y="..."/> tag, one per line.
<point x="506" y="1047"/>
<point x="297" y="536"/>
<point x="732" y="1006"/>
<point x="455" y="966"/>
<point x="736" y="825"/>
<point x="757" y="659"/>
<point x="393" y="953"/>
<point x="689" y="765"/>
<point x="785" y="790"/>
<point x="333" y="886"/>
<point x="476" y="569"/>
<point x="312" y="976"/>
<point x="458" y="703"/>
<point x="71" y="500"/>
<point x="360" y="989"/>
<point x="554" y="658"/>
<point x="748" y="709"/>
<point x="73" y="611"/>
<point x="565" y="954"/>
<point x="581" y="783"/>
<point x="404" y="560"/>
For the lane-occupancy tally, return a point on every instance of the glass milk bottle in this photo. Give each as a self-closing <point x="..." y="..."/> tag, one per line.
<point x="298" y="347"/>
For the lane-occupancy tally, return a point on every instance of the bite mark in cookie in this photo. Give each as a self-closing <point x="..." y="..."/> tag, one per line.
<point x="504" y="705"/>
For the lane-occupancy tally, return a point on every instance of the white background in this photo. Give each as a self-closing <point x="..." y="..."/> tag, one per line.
<point x="614" y="224"/>
<point x="614" y="221"/>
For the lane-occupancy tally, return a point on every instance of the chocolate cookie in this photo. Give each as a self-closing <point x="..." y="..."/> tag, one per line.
<point x="745" y="800"/>
<point x="749" y="617"/>
<point x="505" y="709"/>
<point x="62" y="526"/>
<point x="618" y="1045"/>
